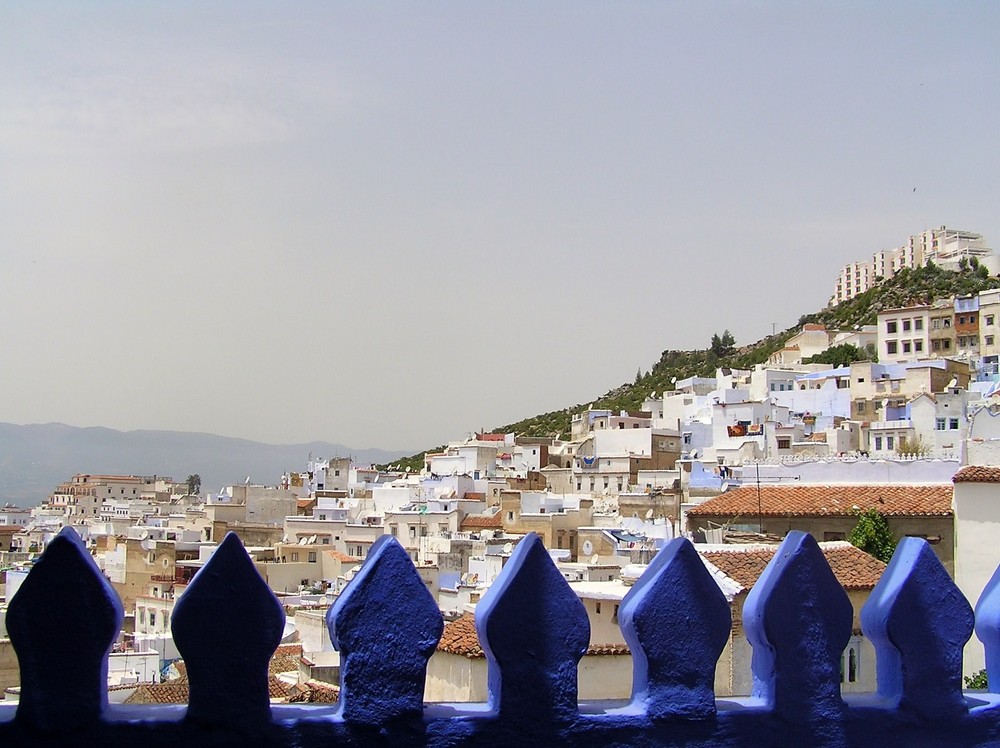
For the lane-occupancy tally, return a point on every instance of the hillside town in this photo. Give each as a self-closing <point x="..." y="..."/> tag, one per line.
<point x="732" y="462"/>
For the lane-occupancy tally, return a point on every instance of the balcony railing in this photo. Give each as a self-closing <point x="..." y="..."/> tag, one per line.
<point x="534" y="631"/>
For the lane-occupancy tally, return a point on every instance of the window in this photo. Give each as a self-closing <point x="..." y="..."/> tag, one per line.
<point x="947" y="322"/>
<point x="906" y="325"/>
<point x="989" y="340"/>
<point x="946" y="344"/>
<point x="326" y="541"/>
<point x="906" y="346"/>
<point x="510" y="515"/>
<point x="597" y="607"/>
<point x="890" y="442"/>
<point x="953" y="424"/>
<point x="614" y="616"/>
<point x="850" y="661"/>
<point x="936" y="345"/>
<point x="961" y="319"/>
<point x="972" y="319"/>
<point x="890" y="327"/>
<point x="862" y="405"/>
<point x="935" y="324"/>
<point x="890" y="347"/>
<point x="312" y="556"/>
<point x="152" y="618"/>
<point x="939" y="424"/>
<point x="784" y="442"/>
<point x="918" y="346"/>
<point x="295" y="557"/>
<point x="878" y="443"/>
<point x="413" y="533"/>
<point x="918" y="324"/>
<point x="990" y="320"/>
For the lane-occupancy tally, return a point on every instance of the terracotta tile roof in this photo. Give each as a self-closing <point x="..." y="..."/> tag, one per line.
<point x="343" y="557"/>
<point x="460" y="638"/>
<point x="277" y="688"/>
<point x="977" y="474"/>
<point x="314" y="692"/>
<point x="285" y="659"/>
<point x="170" y="692"/>
<point x="829" y="501"/>
<point x="854" y="568"/>
<point x="482" y="521"/>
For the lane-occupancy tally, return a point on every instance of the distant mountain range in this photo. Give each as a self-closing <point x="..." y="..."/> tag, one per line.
<point x="35" y="458"/>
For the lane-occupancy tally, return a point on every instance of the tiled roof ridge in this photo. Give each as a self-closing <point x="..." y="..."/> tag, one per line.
<point x="839" y="499"/>
<point x="977" y="474"/>
<point x="854" y="569"/>
<point x="461" y="638"/>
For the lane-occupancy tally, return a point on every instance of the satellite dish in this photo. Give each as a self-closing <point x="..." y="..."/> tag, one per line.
<point x="144" y="534"/>
<point x="588" y="547"/>
<point x="312" y="540"/>
<point x="594" y="559"/>
<point x="302" y="541"/>
<point x="508" y="547"/>
<point x="649" y="514"/>
<point x="284" y="538"/>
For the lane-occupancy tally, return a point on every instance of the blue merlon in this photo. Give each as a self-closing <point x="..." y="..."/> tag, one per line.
<point x="534" y="630"/>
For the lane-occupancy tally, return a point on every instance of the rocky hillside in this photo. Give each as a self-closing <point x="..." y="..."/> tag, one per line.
<point x="909" y="286"/>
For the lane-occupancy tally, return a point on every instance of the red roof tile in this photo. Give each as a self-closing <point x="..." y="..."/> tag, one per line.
<point x="461" y="638"/>
<point x="482" y="521"/>
<point x="285" y="659"/>
<point x="854" y="568"/>
<point x="343" y="557"/>
<point x="824" y="501"/>
<point x="977" y="474"/>
<point x="170" y="692"/>
<point x="314" y="692"/>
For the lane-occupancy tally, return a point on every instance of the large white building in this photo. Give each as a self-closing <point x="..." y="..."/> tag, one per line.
<point x="942" y="246"/>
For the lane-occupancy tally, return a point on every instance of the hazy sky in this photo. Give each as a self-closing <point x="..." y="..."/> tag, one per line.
<point x="389" y="224"/>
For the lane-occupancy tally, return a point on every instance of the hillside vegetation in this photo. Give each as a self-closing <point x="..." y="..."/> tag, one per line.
<point x="908" y="287"/>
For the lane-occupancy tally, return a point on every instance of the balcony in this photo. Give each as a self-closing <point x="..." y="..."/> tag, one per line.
<point x="534" y="631"/>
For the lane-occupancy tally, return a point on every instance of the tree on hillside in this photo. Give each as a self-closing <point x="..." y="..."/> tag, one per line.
<point x="193" y="484"/>
<point x="723" y="345"/>
<point x="872" y="535"/>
